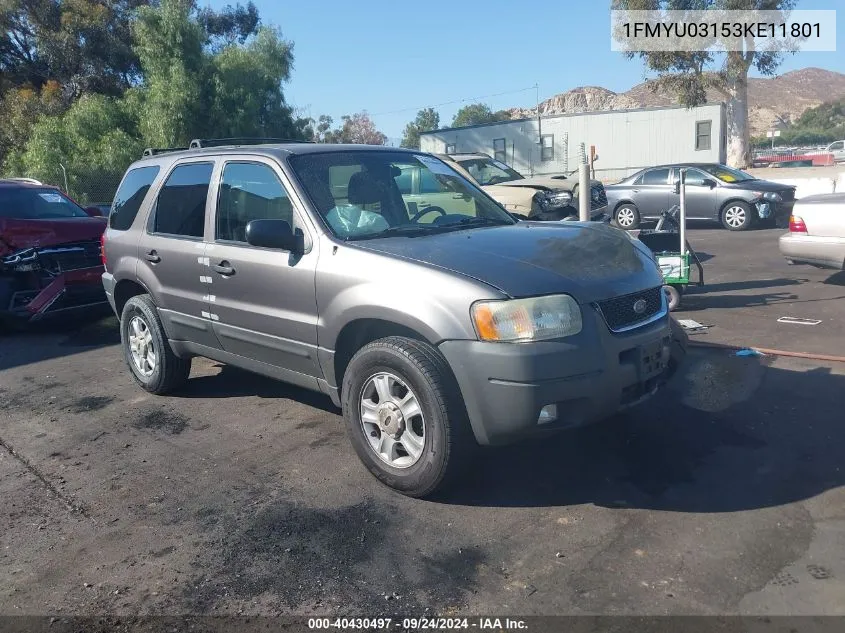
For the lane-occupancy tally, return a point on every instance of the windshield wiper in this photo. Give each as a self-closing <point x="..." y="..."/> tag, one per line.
<point x="476" y="221"/>
<point x="408" y="230"/>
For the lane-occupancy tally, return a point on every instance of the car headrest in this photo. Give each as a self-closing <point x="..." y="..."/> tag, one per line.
<point x="363" y="189"/>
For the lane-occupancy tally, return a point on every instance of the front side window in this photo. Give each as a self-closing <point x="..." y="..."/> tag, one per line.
<point x="702" y="135"/>
<point x="656" y="177"/>
<point x="180" y="206"/>
<point x="695" y="178"/>
<point x="249" y="191"/>
<point x="486" y="171"/>
<point x="372" y="203"/>
<point x="838" y="145"/>
<point x="130" y="195"/>
<point x="500" y="149"/>
<point x="547" y="147"/>
<point x="31" y="203"/>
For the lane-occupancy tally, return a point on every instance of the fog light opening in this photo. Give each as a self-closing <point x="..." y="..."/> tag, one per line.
<point x="547" y="414"/>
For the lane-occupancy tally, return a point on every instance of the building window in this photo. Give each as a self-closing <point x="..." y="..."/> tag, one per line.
<point x="702" y="135"/>
<point x="547" y="147"/>
<point x="500" y="150"/>
<point x="451" y="149"/>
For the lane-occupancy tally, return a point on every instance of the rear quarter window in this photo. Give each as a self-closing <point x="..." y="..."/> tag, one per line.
<point x="130" y="195"/>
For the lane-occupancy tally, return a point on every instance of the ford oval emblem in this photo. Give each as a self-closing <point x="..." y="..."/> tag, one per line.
<point x="640" y="306"/>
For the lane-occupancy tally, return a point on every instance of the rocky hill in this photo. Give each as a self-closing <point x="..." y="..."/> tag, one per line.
<point x="772" y="101"/>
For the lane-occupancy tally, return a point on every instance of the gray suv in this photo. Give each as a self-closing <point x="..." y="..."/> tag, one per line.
<point x="434" y="328"/>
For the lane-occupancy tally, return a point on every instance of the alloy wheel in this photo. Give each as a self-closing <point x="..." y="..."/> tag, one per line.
<point x="392" y="420"/>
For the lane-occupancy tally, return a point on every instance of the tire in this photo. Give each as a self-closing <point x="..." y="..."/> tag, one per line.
<point x="168" y="372"/>
<point x="627" y="216"/>
<point x="673" y="297"/>
<point x="736" y="216"/>
<point x="441" y="424"/>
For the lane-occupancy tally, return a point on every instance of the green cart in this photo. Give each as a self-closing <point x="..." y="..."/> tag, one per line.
<point x="671" y="250"/>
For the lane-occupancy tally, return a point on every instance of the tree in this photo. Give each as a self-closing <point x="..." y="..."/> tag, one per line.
<point x="84" y="45"/>
<point x="690" y="74"/>
<point x="477" y="113"/>
<point x="21" y="108"/>
<point x="357" y="128"/>
<point x="426" y="120"/>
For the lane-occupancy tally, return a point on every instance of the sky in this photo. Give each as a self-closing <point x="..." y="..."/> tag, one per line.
<point x="392" y="58"/>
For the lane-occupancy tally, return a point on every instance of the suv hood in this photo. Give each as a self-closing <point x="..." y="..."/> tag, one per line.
<point x="16" y="234"/>
<point x="544" y="182"/>
<point x="591" y="262"/>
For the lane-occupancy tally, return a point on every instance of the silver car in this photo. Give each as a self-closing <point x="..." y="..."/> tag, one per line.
<point x="816" y="232"/>
<point x="433" y="327"/>
<point x="713" y="192"/>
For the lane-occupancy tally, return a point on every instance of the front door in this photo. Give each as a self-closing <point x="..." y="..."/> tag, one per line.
<point x="263" y="301"/>
<point x="172" y="251"/>
<point x="700" y="196"/>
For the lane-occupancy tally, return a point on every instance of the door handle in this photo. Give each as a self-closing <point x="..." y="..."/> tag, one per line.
<point x="153" y="257"/>
<point x="224" y="268"/>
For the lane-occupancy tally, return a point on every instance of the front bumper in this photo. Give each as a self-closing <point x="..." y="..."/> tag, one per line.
<point x="588" y="377"/>
<point x="29" y="297"/>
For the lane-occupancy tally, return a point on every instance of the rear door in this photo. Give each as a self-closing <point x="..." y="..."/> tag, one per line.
<point x="263" y="301"/>
<point x="171" y="251"/>
<point x="652" y="194"/>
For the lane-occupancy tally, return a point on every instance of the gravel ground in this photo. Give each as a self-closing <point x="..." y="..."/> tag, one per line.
<point x="242" y="495"/>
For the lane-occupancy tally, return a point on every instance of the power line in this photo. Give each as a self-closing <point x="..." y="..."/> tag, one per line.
<point x="437" y="105"/>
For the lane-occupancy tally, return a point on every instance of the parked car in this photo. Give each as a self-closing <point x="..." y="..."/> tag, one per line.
<point x="713" y="192"/>
<point x="549" y="197"/>
<point x="816" y="232"/>
<point x="837" y="148"/>
<point x="49" y="253"/>
<point x="434" y="328"/>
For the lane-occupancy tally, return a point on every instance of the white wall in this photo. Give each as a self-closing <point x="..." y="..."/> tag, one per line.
<point x="625" y="140"/>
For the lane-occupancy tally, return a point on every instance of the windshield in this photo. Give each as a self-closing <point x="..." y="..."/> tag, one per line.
<point x="366" y="194"/>
<point x="32" y="203"/>
<point x="726" y="174"/>
<point x="487" y="171"/>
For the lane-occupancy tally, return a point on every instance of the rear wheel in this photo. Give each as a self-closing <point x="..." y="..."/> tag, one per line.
<point x="627" y="217"/>
<point x="736" y="216"/>
<point x="151" y="360"/>
<point x="403" y="415"/>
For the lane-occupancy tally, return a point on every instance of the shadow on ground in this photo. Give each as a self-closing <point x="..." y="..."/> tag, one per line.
<point x="731" y="434"/>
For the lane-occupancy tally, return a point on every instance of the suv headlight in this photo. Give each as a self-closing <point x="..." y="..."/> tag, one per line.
<point x="769" y="196"/>
<point x="521" y="320"/>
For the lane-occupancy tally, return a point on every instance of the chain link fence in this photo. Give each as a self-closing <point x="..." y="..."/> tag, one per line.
<point x="86" y="186"/>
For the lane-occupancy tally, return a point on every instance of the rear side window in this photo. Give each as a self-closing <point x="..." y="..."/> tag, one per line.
<point x="656" y="177"/>
<point x="249" y="191"/>
<point x="130" y="195"/>
<point x="180" y="207"/>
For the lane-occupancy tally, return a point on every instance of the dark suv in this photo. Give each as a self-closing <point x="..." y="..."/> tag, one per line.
<point x="433" y="327"/>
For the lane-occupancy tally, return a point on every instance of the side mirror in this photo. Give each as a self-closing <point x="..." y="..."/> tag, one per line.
<point x="710" y="183"/>
<point x="274" y="234"/>
<point x="94" y="212"/>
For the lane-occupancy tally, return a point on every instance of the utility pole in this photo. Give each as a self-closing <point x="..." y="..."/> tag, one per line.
<point x="539" y="124"/>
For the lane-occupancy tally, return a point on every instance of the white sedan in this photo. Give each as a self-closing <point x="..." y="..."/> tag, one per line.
<point x="816" y="232"/>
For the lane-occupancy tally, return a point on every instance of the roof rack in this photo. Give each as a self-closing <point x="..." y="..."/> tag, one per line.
<point x="152" y="151"/>
<point x="198" y="143"/>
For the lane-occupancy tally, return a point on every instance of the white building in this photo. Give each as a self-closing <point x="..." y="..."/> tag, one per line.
<point x="625" y="140"/>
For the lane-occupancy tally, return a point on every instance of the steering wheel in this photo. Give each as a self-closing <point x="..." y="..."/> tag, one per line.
<point x="423" y="212"/>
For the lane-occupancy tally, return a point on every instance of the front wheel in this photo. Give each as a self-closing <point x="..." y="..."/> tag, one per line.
<point x="403" y="415"/>
<point x="736" y="216"/>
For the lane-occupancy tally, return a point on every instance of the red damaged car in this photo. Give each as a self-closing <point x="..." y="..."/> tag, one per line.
<point x="50" y="258"/>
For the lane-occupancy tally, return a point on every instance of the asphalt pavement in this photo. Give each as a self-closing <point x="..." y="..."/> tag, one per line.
<point x="723" y="495"/>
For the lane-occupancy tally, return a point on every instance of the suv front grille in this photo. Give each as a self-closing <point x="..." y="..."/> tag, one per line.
<point x="59" y="259"/>
<point x="598" y="197"/>
<point x="619" y="313"/>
